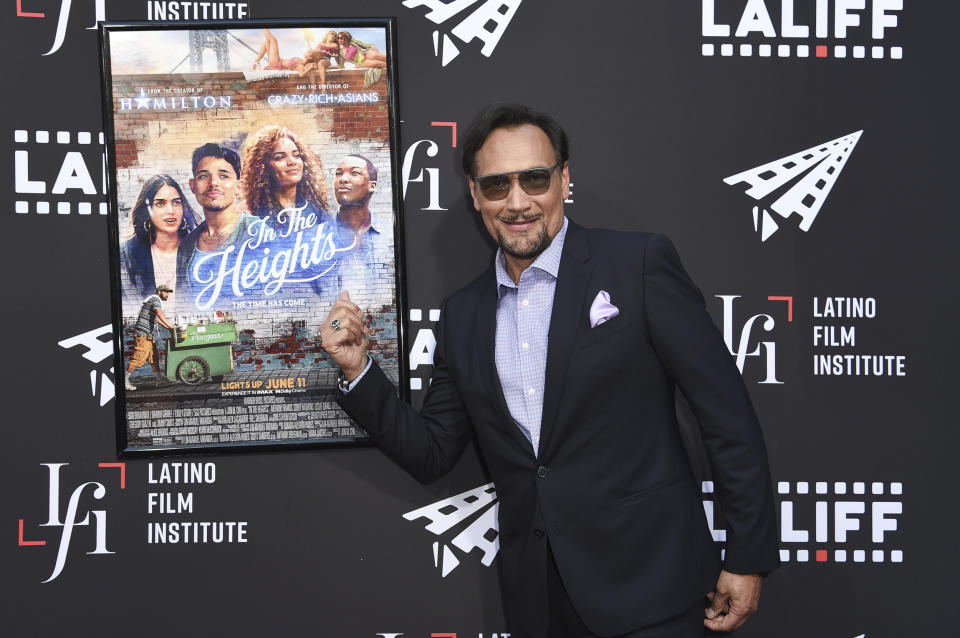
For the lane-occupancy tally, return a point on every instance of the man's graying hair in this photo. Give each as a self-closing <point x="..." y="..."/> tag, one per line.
<point x="512" y="116"/>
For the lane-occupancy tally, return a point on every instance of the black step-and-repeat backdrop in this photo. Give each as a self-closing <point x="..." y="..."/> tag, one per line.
<point x="797" y="152"/>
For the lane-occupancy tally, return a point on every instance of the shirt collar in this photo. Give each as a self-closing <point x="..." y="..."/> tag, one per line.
<point x="370" y="229"/>
<point x="548" y="261"/>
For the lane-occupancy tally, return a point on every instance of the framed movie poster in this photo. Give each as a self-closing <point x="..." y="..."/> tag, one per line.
<point x="253" y="177"/>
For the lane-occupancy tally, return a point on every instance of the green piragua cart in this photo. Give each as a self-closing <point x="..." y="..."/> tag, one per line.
<point x="205" y="351"/>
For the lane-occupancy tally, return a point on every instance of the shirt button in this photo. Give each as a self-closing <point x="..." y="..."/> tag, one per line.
<point x="530" y="391"/>
<point x="525" y="345"/>
<point x="538" y="533"/>
<point x="526" y="302"/>
<point x="542" y="472"/>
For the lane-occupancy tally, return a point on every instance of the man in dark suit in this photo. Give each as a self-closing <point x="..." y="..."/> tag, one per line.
<point x="563" y="359"/>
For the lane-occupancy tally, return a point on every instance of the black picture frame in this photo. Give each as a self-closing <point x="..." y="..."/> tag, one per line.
<point x="247" y="370"/>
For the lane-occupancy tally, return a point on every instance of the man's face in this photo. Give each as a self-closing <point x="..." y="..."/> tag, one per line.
<point x="286" y="165"/>
<point x="351" y="182"/>
<point x="163" y="294"/>
<point x="215" y="184"/>
<point x="523" y="225"/>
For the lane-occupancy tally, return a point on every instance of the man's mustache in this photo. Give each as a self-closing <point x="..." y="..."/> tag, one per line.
<point x="521" y="218"/>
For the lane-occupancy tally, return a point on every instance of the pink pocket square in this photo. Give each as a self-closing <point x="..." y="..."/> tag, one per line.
<point x="602" y="310"/>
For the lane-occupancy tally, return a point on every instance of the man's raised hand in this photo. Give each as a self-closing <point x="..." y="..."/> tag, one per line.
<point x="344" y="336"/>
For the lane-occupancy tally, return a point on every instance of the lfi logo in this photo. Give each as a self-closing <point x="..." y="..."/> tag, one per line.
<point x="99" y="15"/>
<point x="71" y="517"/>
<point x="812" y="172"/>
<point x="740" y="349"/>
<point x="486" y="23"/>
<point x="430" y="174"/>
<point x="156" y="10"/>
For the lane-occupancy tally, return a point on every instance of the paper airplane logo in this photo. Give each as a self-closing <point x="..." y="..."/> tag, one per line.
<point x="480" y="507"/>
<point x="97" y="351"/>
<point x="815" y="170"/>
<point x="486" y="22"/>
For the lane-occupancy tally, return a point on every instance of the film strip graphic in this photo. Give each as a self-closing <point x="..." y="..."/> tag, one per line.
<point x="422" y="324"/>
<point x="840" y="51"/>
<point x="822" y="164"/>
<point x="79" y="175"/>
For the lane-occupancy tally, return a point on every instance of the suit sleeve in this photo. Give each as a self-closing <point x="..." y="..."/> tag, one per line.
<point x="692" y="350"/>
<point x="426" y="444"/>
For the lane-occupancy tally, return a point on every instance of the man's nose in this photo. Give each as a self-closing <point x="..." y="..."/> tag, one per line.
<point x="517" y="198"/>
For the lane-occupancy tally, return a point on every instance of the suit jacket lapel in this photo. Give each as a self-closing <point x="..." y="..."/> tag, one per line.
<point x="486" y="357"/>
<point x="568" y="300"/>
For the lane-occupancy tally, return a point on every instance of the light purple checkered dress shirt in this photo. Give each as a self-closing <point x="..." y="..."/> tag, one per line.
<point x="523" y="323"/>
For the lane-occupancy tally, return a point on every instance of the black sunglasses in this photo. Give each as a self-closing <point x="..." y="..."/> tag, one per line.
<point x="533" y="181"/>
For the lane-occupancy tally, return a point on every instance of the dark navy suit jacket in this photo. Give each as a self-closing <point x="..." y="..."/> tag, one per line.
<point x="611" y="489"/>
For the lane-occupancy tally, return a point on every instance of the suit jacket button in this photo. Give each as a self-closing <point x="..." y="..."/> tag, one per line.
<point x="542" y="472"/>
<point x="538" y="533"/>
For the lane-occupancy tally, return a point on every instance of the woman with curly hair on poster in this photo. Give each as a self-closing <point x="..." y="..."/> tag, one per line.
<point x="281" y="173"/>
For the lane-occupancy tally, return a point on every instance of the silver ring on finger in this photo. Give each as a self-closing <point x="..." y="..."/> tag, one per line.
<point x="335" y="324"/>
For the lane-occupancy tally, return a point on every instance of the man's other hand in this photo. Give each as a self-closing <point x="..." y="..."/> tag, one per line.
<point x="735" y="598"/>
<point x="344" y="336"/>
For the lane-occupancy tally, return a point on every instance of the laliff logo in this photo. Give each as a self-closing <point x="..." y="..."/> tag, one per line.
<point x="841" y="522"/>
<point x="487" y="23"/>
<point x="71" y="517"/>
<point x="81" y="172"/>
<point x="470" y="518"/>
<point x="815" y="170"/>
<point x="97" y="351"/>
<point x="764" y="350"/>
<point x="421" y="352"/>
<point x="838" y="29"/>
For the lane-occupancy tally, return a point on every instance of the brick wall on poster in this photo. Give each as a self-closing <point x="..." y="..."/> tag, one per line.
<point x="151" y="141"/>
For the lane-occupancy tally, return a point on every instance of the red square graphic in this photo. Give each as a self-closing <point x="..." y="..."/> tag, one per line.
<point x="821" y="50"/>
<point x="821" y="555"/>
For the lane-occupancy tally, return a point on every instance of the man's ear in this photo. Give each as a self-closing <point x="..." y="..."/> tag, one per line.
<point x="565" y="180"/>
<point x="192" y="184"/>
<point x="473" y="192"/>
<point x="373" y="185"/>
